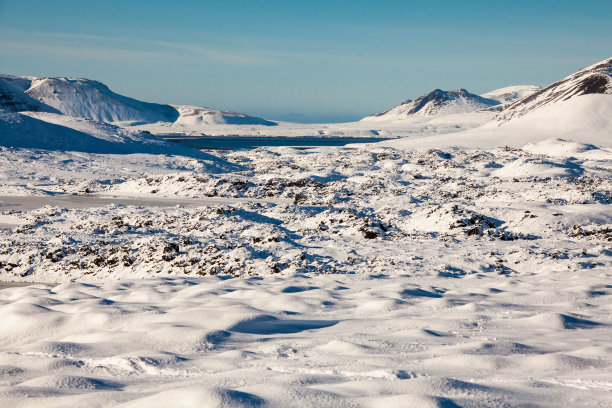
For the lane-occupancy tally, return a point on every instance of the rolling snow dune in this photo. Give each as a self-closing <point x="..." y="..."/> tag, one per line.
<point x="314" y="341"/>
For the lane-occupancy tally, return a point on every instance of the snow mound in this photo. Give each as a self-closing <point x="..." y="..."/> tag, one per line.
<point x="539" y="167"/>
<point x="511" y="94"/>
<point x="195" y="116"/>
<point x="93" y="100"/>
<point x="49" y="131"/>
<point x="564" y="148"/>
<point x="198" y="397"/>
<point x="595" y="79"/>
<point x="437" y="102"/>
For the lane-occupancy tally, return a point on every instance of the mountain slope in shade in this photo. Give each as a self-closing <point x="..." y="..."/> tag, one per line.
<point x="57" y="132"/>
<point x="14" y="99"/>
<point x="595" y="79"/>
<point x="437" y="102"/>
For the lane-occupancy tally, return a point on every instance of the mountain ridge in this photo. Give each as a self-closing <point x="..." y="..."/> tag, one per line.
<point x="94" y="100"/>
<point x="594" y="79"/>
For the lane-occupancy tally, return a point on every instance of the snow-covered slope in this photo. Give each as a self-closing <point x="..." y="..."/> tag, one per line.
<point x="94" y="100"/>
<point x="437" y="102"/>
<point x="511" y="94"/>
<point x="197" y="116"/>
<point x="14" y="99"/>
<point x="595" y="79"/>
<point x="584" y="119"/>
<point x="57" y="132"/>
<point x="89" y="99"/>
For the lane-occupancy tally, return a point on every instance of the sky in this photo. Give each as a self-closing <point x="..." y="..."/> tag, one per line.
<point x="305" y="61"/>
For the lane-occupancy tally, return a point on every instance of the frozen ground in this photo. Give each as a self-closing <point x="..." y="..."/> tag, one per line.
<point x="327" y="277"/>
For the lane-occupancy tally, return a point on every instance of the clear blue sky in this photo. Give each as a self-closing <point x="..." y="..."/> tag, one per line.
<point x="302" y="60"/>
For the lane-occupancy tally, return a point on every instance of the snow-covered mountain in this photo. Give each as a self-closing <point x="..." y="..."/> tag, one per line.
<point x="511" y="94"/>
<point x="437" y="102"/>
<point x="13" y="96"/>
<point x="190" y="115"/>
<point x="89" y="99"/>
<point x="595" y="79"/>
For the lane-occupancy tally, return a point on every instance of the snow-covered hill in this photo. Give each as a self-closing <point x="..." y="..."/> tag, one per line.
<point x="511" y="94"/>
<point x="437" y="102"/>
<point x="197" y="116"/>
<point x="13" y="96"/>
<point x="595" y="79"/>
<point x="584" y="118"/>
<point x="62" y="133"/>
<point x="89" y="99"/>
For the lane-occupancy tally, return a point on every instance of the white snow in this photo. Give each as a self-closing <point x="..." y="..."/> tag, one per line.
<point x="437" y="102"/>
<point x="595" y="79"/>
<point x="511" y="94"/>
<point x="585" y="118"/>
<point x="463" y="265"/>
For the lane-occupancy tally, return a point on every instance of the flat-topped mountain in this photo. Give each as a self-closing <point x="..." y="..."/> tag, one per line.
<point x="89" y="99"/>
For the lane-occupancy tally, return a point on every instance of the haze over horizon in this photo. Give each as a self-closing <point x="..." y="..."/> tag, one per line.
<point x="308" y="62"/>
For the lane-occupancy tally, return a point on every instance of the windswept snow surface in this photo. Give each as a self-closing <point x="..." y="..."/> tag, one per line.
<point x="355" y="277"/>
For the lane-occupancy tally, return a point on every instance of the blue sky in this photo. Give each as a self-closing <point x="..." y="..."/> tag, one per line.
<point x="302" y="60"/>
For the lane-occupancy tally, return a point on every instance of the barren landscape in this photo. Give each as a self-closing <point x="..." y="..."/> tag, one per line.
<point x="458" y="265"/>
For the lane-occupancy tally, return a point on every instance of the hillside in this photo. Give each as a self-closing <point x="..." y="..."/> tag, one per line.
<point x="89" y="99"/>
<point x="437" y="102"/>
<point x="595" y="79"/>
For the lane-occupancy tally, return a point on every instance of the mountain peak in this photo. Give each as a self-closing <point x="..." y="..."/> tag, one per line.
<point x="438" y="102"/>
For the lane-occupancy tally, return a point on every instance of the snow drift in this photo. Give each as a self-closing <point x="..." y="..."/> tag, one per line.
<point x="49" y="131"/>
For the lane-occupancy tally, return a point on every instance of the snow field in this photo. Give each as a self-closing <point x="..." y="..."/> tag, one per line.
<point x="455" y="212"/>
<point x="368" y="277"/>
<point x="326" y="340"/>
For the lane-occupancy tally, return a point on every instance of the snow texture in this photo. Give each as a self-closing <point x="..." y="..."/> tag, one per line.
<point x="457" y="269"/>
